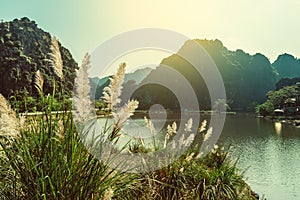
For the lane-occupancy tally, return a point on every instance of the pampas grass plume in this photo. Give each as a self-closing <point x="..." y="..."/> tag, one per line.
<point x="82" y="102"/>
<point x="8" y="119"/>
<point x="125" y="112"/>
<point x="38" y="80"/>
<point x="55" y="58"/>
<point x="112" y="93"/>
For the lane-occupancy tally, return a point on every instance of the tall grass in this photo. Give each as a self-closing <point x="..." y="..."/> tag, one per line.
<point x="49" y="162"/>
<point x="192" y="177"/>
<point x="44" y="157"/>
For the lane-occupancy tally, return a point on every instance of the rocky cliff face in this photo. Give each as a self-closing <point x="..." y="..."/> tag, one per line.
<point x="24" y="49"/>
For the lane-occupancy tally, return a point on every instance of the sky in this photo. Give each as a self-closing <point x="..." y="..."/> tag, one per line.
<point x="265" y="26"/>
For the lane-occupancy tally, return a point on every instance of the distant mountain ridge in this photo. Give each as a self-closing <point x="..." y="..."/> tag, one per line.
<point x="136" y="77"/>
<point x="24" y="49"/>
<point x="287" y="66"/>
<point x="247" y="78"/>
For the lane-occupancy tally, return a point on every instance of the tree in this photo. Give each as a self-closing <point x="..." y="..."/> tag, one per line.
<point x="267" y="108"/>
<point x="278" y="97"/>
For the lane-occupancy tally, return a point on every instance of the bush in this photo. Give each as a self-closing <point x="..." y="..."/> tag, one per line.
<point x="265" y="109"/>
<point x="192" y="177"/>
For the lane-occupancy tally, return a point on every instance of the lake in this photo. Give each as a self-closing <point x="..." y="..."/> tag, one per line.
<point x="269" y="152"/>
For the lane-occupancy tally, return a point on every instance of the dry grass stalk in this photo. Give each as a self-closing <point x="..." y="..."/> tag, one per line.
<point x="8" y="120"/>
<point x="112" y="93"/>
<point x="203" y="126"/>
<point x="188" y="125"/>
<point x="38" y="80"/>
<point x="55" y="58"/>
<point x="81" y="100"/>
<point x="125" y="112"/>
<point x="109" y="193"/>
<point x="208" y="134"/>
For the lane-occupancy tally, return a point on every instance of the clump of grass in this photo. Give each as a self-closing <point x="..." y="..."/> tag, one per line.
<point x="193" y="177"/>
<point x="47" y="160"/>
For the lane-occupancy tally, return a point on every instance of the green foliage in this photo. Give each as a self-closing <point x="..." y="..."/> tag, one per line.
<point x="267" y="108"/>
<point x="277" y="98"/>
<point x="287" y="66"/>
<point x="246" y="78"/>
<point x="191" y="177"/>
<point x="48" y="161"/>
<point x="22" y="53"/>
<point x="286" y="82"/>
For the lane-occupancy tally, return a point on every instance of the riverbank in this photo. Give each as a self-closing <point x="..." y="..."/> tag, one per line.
<point x="293" y="121"/>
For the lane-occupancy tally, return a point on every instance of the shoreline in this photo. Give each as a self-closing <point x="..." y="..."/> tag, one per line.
<point x="293" y="121"/>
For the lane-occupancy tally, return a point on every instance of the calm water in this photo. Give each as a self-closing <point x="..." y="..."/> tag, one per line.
<point x="269" y="152"/>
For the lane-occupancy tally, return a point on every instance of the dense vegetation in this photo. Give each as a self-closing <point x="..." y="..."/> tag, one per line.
<point x="48" y="161"/>
<point x="287" y="66"/>
<point x="277" y="98"/>
<point x="48" y="157"/>
<point x="247" y="78"/>
<point x="24" y="49"/>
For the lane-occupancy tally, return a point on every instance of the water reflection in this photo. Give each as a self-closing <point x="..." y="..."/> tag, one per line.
<point x="278" y="127"/>
<point x="271" y="162"/>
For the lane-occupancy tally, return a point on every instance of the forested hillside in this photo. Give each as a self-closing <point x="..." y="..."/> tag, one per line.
<point x="247" y="78"/>
<point x="24" y="49"/>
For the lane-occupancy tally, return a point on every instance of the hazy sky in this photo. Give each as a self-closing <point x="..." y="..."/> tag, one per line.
<point x="270" y="27"/>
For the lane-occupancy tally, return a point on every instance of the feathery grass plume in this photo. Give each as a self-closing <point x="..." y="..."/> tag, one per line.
<point x="171" y="130"/>
<point x="190" y="156"/>
<point x="121" y="115"/>
<point x="181" y="140"/>
<point x="189" y="140"/>
<point x="112" y="92"/>
<point x="81" y="100"/>
<point x="55" y="58"/>
<point x="200" y="154"/>
<point x="173" y="144"/>
<point x="203" y="126"/>
<point x="208" y="134"/>
<point x="125" y="112"/>
<point x="151" y="127"/>
<point x="8" y="119"/>
<point x="108" y="194"/>
<point x="188" y="125"/>
<point x="60" y="129"/>
<point x="188" y="128"/>
<point x="38" y="80"/>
